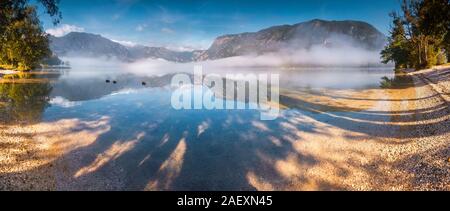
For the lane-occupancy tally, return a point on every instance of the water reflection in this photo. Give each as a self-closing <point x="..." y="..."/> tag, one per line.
<point x="26" y="96"/>
<point x="23" y="103"/>
<point x="90" y="88"/>
<point x="127" y="135"/>
<point x="399" y="81"/>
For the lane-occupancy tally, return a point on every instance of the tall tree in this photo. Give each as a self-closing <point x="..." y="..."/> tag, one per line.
<point x="426" y="25"/>
<point x="23" y="43"/>
<point x="397" y="50"/>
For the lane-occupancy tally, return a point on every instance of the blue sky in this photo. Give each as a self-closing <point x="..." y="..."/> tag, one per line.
<point x="195" y="23"/>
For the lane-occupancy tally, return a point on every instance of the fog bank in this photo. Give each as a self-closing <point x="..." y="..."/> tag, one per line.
<point x="337" y="52"/>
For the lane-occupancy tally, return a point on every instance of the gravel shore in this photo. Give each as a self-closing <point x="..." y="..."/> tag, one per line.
<point x="398" y="139"/>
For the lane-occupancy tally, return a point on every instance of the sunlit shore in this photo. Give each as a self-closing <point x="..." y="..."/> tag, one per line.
<point x="396" y="138"/>
<point x="7" y="72"/>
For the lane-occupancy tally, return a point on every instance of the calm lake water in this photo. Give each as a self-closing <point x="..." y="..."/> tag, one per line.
<point x="217" y="147"/>
<point x="49" y="96"/>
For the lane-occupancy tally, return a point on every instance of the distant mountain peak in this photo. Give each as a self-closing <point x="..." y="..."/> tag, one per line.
<point x="302" y="35"/>
<point x="83" y="44"/>
<point x="297" y="36"/>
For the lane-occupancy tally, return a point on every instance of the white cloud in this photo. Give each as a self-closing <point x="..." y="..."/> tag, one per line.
<point x="180" y="48"/>
<point x="64" y="29"/>
<point x="124" y="92"/>
<point x="62" y="102"/>
<point x="189" y="45"/>
<point x="125" y="43"/>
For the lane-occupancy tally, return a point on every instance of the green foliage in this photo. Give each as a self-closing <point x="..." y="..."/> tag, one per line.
<point x="386" y="83"/>
<point x="399" y="81"/>
<point x="420" y="37"/>
<point x="447" y="45"/>
<point x="52" y="60"/>
<point x="442" y="57"/>
<point x="398" y="49"/>
<point x="23" y="43"/>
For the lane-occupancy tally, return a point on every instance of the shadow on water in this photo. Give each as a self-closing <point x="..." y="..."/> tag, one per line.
<point x="188" y="151"/>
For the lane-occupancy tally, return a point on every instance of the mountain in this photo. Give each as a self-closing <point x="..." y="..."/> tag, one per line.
<point x="299" y="36"/>
<point x="90" y="45"/>
<point x="143" y="52"/>
<point x="304" y="35"/>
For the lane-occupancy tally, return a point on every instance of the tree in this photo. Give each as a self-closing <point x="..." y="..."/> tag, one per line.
<point x="397" y="50"/>
<point x="447" y="45"/>
<point x="26" y="44"/>
<point x="23" y="43"/>
<point x="11" y="10"/>
<point x="432" y="25"/>
<point x="425" y="26"/>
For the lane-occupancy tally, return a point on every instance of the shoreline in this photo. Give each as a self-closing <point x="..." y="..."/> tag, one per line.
<point x="8" y="72"/>
<point x="433" y="77"/>
<point x="34" y="157"/>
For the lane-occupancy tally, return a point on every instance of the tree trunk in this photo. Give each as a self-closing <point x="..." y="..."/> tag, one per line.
<point x="419" y="54"/>
<point x="426" y="51"/>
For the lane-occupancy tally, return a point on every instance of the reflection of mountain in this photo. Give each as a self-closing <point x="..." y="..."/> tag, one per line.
<point x="25" y="102"/>
<point x="94" y="88"/>
<point x="298" y="36"/>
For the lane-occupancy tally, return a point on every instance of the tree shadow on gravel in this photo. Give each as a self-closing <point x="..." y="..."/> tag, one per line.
<point x="224" y="150"/>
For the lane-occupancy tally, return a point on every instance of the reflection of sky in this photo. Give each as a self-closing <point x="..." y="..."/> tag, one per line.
<point x="335" y="78"/>
<point x="74" y="97"/>
<point x="195" y="23"/>
<point x="181" y="149"/>
<point x="81" y="84"/>
<point x="148" y="141"/>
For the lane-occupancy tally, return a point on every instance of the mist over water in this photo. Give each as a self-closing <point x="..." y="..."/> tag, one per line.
<point x="341" y="66"/>
<point x="336" y="51"/>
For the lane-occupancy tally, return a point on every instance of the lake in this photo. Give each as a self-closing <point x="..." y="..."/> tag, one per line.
<point x="149" y="145"/>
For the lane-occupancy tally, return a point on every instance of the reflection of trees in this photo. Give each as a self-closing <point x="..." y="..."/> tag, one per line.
<point x="23" y="102"/>
<point x="326" y="141"/>
<point x="399" y="81"/>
